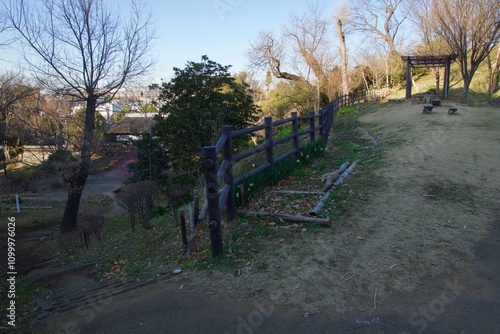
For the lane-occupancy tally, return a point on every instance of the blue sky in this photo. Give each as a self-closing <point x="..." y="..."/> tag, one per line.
<point x="221" y="29"/>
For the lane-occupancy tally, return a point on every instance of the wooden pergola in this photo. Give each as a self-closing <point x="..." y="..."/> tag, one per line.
<point x="429" y="61"/>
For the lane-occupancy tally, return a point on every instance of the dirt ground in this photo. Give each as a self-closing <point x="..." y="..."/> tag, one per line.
<point x="429" y="235"/>
<point x="438" y="195"/>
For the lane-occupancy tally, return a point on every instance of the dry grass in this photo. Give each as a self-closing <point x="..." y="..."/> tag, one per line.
<point x="412" y="212"/>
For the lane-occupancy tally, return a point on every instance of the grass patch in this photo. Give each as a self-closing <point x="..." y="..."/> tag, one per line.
<point x="270" y="176"/>
<point x="347" y="117"/>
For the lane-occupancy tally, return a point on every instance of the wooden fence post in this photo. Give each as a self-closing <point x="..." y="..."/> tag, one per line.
<point x="228" y="175"/>
<point x="295" y="131"/>
<point x="321" y="122"/>
<point x="214" y="213"/>
<point x="312" y="127"/>
<point x="269" y="140"/>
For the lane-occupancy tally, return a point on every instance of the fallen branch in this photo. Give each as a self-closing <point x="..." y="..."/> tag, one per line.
<point x="291" y="218"/>
<point x="297" y="192"/>
<point x="375" y="143"/>
<point x="348" y="278"/>
<point x="319" y="206"/>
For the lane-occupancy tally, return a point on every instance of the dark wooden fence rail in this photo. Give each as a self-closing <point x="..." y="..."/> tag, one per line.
<point x="220" y="181"/>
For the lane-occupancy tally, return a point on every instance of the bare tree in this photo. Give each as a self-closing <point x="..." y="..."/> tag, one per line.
<point x="13" y="90"/>
<point x="380" y="18"/>
<point x="5" y="39"/>
<point x="382" y="22"/>
<point x="303" y="47"/>
<point x="138" y="198"/>
<point x="82" y="49"/>
<point x="342" y="17"/>
<point x="493" y="69"/>
<point x="269" y="52"/>
<point x="374" y="58"/>
<point x="472" y="30"/>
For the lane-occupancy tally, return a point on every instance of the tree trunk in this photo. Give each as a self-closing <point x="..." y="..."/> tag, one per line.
<point x="438" y="77"/>
<point x="465" y="91"/>
<point x="343" y="58"/>
<point x="70" y="216"/>
<point x="493" y="70"/>
<point x="79" y="178"/>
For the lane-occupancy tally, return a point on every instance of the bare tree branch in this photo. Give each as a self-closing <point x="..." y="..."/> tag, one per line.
<point x="82" y="49"/>
<point x="472" y="30"/>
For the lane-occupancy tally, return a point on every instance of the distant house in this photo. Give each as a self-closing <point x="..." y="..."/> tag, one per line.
<point x="132" y="126"/>
<point x="133" y="98"/>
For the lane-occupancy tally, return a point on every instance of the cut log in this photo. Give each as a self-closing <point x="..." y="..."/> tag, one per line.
<point x="345" y="174"/>
<point x="319" y="206"/>
<point x="341" y="169"/>
<point x="291" y="218"/>
<point x="373" y="140"/>
<point x="329" y="181"/>
<point x="329" y="178"/>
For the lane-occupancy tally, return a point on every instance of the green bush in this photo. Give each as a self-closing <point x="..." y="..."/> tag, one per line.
<point x="347" y="111"/>
<point x="285" y="131"/>
<point x="270" y="176"/>
<point x="433" y="89"/>
<point x="347" y="117"/>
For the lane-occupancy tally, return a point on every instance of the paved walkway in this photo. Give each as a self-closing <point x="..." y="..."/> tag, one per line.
<point x="463" y="304"/>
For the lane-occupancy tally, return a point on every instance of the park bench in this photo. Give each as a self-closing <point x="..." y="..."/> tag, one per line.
<point x="436" y="101"/>
<point x="427" y="109"/>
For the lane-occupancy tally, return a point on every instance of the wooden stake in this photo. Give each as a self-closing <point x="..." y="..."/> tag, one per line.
<point x="184" y="233"/>
<point x="375" y="143"/>
<point x="291" y="218"/>
<point x="298" y="192"/>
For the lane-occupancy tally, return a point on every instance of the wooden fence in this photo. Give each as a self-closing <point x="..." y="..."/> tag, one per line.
<point x="220" y="181"/>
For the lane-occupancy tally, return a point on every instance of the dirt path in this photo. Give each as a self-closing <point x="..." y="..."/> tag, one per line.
<point x="429" y="260"/>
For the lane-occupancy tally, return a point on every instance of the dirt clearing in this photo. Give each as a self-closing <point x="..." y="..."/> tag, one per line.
<point x="431" y="198"/>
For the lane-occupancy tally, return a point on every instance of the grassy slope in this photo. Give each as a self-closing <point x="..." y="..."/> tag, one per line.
<point x="145" y="253"/>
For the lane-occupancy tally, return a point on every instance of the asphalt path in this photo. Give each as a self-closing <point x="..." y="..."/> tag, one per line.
<point x="466" y="303"/>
